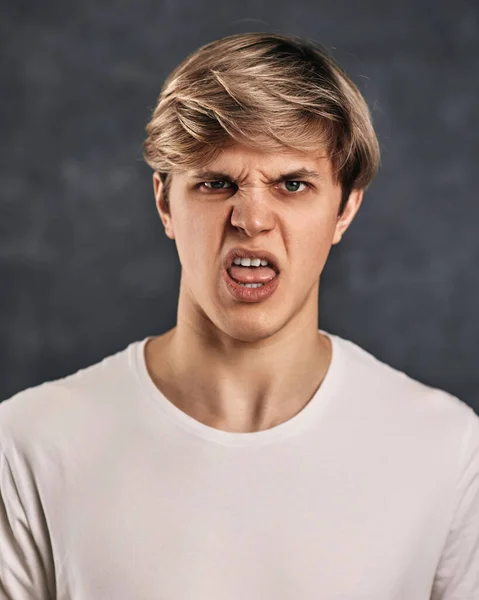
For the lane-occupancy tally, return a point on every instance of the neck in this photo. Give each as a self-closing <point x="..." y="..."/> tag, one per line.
<point x="239" y="386"/>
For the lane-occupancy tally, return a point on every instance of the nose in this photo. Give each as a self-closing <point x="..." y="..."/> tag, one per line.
<point x="252" y="211"/>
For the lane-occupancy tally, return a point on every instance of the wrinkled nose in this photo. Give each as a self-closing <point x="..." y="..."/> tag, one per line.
<point x="252" y="212"/>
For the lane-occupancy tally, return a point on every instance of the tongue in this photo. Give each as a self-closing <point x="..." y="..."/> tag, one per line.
<point x="252" y="274"/>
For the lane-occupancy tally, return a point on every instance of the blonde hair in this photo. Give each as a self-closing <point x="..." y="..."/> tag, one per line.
<point x="265" y="90"/>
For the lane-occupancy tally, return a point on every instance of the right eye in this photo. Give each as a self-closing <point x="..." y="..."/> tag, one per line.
<point x="217" y="185"/>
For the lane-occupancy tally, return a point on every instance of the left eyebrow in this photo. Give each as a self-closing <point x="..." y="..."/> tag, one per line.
<point x="297" y="175"/>
<point x="290" y="176"/>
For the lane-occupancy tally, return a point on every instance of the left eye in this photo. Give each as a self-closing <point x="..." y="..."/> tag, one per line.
<point x="293" y="186"/>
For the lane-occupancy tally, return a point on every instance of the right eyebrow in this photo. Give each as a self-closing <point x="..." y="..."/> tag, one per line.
<point x="211" y="176"/>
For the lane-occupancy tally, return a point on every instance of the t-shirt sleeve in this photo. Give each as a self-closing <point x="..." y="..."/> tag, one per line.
<point x="457" y="575"/>
<point x="22" y="572"/>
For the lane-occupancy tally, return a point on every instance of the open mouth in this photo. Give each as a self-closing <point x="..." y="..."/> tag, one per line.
<point x="249" y="285"/>
<point x="249" y="267"/>
<point x="251" y="276"/>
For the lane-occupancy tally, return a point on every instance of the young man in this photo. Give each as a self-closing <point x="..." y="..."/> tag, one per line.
<point x="245" y="454"/>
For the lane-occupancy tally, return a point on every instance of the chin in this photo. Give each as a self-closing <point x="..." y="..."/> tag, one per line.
<point x="248" y="330"/>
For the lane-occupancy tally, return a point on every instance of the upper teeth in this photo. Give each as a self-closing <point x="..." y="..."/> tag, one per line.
<point x="250" y="262"/>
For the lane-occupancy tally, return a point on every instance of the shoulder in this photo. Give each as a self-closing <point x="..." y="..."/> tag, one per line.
<point x="56" y="409"/>
<point x="399" y="402"/>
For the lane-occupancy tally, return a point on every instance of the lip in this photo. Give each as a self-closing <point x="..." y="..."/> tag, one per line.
<point x="240" y="252"/>
<point x="244" y="294"/>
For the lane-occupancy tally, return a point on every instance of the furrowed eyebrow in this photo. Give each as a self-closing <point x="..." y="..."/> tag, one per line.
<point x="211" y="176"/>
<point x="290" y="176"/>
<point x="297" y="175"/>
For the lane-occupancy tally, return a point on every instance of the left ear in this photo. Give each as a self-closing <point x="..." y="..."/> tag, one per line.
<point x="350" y="210"/>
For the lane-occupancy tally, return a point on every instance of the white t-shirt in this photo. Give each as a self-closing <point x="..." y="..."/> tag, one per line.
<point x="108" y="491"/>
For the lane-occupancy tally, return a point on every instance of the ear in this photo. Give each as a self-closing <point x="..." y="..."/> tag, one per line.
<point x="350" y="210"/>
<point x="162" y="205"/>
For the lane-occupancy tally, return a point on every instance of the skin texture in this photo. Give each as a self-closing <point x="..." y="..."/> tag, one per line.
<point x="243" y="366"/>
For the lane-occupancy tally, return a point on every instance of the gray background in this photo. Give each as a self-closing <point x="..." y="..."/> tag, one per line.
<point x="85" y="267"/>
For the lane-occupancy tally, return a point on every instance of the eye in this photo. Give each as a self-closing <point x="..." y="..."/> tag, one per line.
<point x="294" y="186"/>
<point x="217" y="185"/>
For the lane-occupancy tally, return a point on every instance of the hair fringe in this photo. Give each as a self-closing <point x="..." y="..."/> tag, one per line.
<point x="267" y="90"/>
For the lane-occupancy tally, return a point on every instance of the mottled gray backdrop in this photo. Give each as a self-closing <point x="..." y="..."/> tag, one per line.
<point x="85" y="267"/>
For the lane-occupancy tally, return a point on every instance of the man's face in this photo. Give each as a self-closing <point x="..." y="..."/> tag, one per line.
<point x="285" y="203"/>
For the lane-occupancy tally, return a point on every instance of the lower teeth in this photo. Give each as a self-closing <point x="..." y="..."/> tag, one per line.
<point x="252" y="285"/>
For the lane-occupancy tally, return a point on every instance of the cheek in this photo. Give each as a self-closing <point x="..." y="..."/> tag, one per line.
<point x="312" y="246"/>
<point x="198" y="234"/>
<point x="205" y="225"/>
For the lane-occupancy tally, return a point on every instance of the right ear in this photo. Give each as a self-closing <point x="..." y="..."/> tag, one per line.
<point x="162" y="205"/>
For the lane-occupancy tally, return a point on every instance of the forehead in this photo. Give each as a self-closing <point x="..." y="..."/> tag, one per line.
<point x="240" y="160"/>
